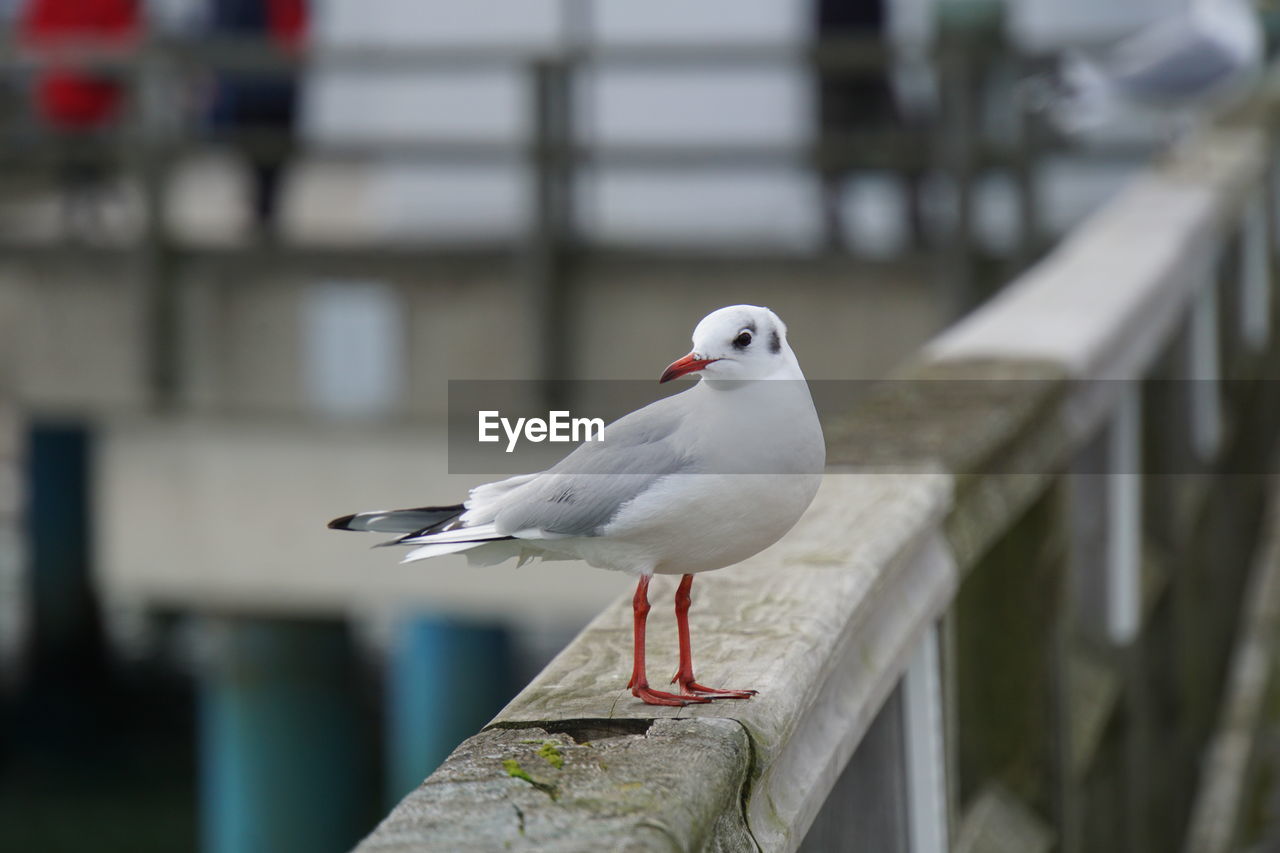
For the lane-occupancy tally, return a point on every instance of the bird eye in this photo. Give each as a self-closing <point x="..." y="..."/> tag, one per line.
<point x="742" y="340"/>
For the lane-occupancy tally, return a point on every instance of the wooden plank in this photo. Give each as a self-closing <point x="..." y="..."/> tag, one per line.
<point x="1203" y="369"/>
<point x="1124" y="520"/>
<point x="995" y="424"/>
<point x="926" y="759"/>
<point x="669" y="785"/>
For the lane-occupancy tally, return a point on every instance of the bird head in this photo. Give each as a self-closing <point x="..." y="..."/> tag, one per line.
<point x="738" y="342"/>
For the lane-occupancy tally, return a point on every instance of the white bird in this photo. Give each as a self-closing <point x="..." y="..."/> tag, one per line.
<point x="1199" y="60"/>
<point x="693" y="482"/>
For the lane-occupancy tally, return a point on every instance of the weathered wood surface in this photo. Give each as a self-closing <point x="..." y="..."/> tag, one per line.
<point x="995" y="425"/>
<point x="672" y="785"/>
<point x="822" y="623"/>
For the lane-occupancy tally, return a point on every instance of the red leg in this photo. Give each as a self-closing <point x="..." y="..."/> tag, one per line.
<point x="639" y="684"/>
<point x="684" y="676"/>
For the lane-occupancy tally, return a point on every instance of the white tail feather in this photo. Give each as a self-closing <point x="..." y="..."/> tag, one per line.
<point x="439" y="550"/>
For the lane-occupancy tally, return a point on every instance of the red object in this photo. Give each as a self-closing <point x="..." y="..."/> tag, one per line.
<point x="287" y="22"/>
<point x="68" y="98"/>
<point x="691" y="692"/>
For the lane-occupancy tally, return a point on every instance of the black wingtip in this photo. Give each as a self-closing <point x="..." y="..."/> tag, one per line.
<point x="342" y="523"/>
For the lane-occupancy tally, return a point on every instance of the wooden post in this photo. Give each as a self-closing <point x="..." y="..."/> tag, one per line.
<point x="155" y="253"/>
<point x="1203" y="371"/>
<point x="927" y="808"/>
<point x="1124" y="520"/>
<point x="957" y="141"/>
<point x="547" y="275"/>
<point x="1255" y="276"/>
<point x="1026" y="159"/>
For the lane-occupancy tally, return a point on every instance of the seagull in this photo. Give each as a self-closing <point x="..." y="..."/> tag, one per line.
<point x="693" y="482"/>
<point x="1206" y="57"/>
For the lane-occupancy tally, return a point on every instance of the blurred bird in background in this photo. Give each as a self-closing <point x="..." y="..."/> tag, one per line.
<point x="1176" y="70"/>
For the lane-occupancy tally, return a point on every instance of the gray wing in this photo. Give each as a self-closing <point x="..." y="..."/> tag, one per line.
<point x="1183" y="64"/>
<point x="582" y="493"/>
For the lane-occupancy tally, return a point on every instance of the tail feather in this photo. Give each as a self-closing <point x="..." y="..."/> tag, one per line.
<point x="423" y="552"/>
<point x="452" y="541"/>
<point x="415" y="522"/>
<point x="435" y="530"/>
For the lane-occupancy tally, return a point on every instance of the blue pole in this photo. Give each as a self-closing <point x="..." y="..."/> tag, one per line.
<point x="66" y="627"/>
<point x="281" y="761"/>
<point x="445" y="680"/>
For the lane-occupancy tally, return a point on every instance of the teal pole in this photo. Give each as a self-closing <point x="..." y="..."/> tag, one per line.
<point x="282" y="763"/>
<point x="445" y="680"/>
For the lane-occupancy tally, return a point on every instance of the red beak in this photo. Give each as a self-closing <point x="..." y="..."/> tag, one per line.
<point x="688" y="364"/>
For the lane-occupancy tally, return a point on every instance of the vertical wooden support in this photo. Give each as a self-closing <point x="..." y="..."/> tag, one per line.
<point x="445" y="680"/>
<point x="547" y="274"/>
<point x="1009" y="669"/>
<point x="155" y="254"/>
<point x="1203" y="369"/>
<point x="927" y="810"/>
<point x="1255" y="277"/>
<point x="1125" y="602"/>
<point x="282" y="760"/>
<point x="1025" y="178"/>
<point x="949" y="671"/>
<point x="869" y="807"/>
<point x="1101" y="628"/>
<point x="958" y="141"/>
<point x="1124" y="519"/>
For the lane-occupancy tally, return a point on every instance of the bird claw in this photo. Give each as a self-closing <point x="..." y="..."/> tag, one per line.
<point x="693" y="688"/>
<point x="650" y="696"/>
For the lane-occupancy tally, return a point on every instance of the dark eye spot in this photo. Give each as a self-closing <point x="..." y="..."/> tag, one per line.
<point x="743" y="340"/>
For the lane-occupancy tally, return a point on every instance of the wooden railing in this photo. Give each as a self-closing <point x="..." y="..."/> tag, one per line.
<point x="1007" y="620"/>
<point x="556" y="149"/>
